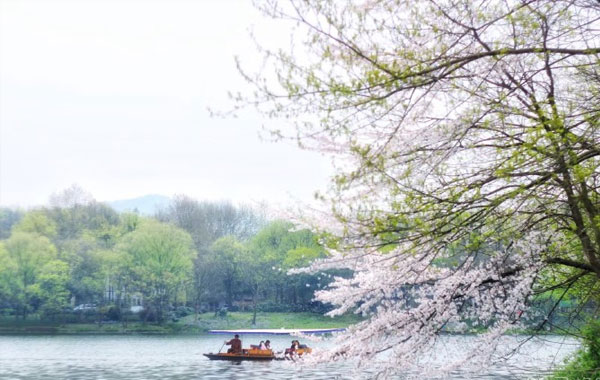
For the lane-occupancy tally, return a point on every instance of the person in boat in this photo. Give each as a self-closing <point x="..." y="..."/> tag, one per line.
<point x="293" y="348"/>
<point x="236" y="345"/>
<point x="268" y="345"/>
<point x="260" y="346"/>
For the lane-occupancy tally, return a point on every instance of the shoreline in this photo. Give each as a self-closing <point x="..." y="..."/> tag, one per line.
<point x="188" y="325"/>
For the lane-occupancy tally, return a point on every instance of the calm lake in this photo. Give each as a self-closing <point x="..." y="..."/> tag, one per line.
<point x="180" y="357"/>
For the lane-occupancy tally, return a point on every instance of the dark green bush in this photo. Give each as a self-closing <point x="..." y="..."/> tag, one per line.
<point x="222" y="312"/>
<point x="183" y="311"/>
<point x="113" y="313"/>
<point x="586" y="362"/>
<point x="148" y="315"/>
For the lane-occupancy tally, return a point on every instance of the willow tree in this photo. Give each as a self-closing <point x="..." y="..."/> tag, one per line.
<point x="467" y="137"/>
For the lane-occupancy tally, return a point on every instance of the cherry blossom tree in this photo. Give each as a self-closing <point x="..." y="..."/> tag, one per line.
<point x="466" y="136"/>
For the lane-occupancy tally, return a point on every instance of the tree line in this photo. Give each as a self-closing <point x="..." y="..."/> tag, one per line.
<point x="195" y="255"/>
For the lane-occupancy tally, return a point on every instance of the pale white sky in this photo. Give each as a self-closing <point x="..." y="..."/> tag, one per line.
<point x="112" y="95"/>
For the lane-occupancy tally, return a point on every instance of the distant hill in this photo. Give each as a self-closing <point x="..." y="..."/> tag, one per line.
<point x="144" y="205"/>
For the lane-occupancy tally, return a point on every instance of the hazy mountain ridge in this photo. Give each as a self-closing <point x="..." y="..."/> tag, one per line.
<point x="145" y="205"/>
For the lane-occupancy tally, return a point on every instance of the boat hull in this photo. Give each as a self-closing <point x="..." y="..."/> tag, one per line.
<point x="239" y="357"/>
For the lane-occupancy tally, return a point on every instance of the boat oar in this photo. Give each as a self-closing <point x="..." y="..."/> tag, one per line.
<point x="222" y="347"/>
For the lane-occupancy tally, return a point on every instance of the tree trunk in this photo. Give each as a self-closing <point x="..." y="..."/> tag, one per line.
<point x="254" y="301"/>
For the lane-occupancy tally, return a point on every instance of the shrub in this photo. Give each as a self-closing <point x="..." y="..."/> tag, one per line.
<point x="183" y="311"/>
<point x="586" y="362"/>
<point x="113" y="313"/>
<point x="148" y="315"/>
<point x="222" y="312"/>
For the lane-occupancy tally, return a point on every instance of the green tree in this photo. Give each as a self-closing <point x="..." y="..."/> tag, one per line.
<point x="37" y="222"/>
<point x="228" y="254"/>
<point x="256" y="273"/>
<point x="51" y="288"/>
<point x="8" y="218"/>
<point x="28" y="253"/>
<point x="83" y="256"/>
<point x="75" y="211"/>
<point x="279" y="249"/>
<point x="96" y="265"/>
<point x="159" y="261"/>
<point x="206" y="285"/>
<point x="8" y="283"/>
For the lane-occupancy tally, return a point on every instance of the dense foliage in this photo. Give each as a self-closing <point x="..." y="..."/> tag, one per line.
<point x="81" y="258"/>
<point x="586" y="363"/>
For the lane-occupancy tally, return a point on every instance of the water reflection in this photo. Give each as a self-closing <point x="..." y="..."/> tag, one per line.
<point x="180" y="357"/>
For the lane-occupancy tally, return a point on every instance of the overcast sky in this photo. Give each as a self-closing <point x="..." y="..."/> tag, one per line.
<point x="112" y="95"/>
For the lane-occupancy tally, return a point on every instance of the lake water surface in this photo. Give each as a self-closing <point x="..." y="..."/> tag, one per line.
<point x="180" y="357"/>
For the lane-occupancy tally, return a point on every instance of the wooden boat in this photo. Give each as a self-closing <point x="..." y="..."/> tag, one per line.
<point x="255" y="355"/>
<point x="298" y="352"/>
<point x="251" y="354"/>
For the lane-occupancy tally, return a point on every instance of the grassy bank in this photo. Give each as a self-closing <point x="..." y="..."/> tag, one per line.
<point x="241" y="320"/>
<point x="35" y="327"/>
<point x="186" y="325"/>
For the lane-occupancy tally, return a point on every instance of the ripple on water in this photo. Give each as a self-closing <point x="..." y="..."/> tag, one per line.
<point x="172" y="358"/>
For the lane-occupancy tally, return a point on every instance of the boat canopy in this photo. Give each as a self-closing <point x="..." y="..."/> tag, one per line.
<point x="277" y="331"/>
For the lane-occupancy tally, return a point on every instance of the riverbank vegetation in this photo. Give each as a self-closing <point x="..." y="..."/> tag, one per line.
<point x="585" y="364"/>
<point x="79" y="260"/>
<point x="190" y="324"/>
<point x="80" y="266"/>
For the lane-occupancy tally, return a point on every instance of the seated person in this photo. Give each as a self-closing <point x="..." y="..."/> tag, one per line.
<point x="236" y="345"/>
<point x="293" y="348"/>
